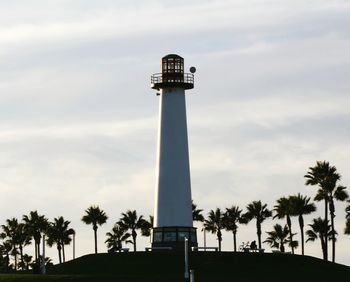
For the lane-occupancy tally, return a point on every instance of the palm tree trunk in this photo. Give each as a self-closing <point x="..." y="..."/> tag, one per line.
<point x="326" y="235"/>
<point x="15" y="250"/>
<point x="258" y="232"/>
<point x="219" y="235"/>
<point x="36" y="251"/>
<point x="324" y="247"/>
<point x="282" y="248"/>
<point x="301" y="224"/>
<point x="7" y="260"/>
<point x="289" y="223"/>
<point x="95" y="236"/>
<point x="134" y="235"/>
<point x="235" y="241"/>
<point x="38" y="248"/>
<point x="63" y="253"/>
<point x="59" y="253"/>
<point x="21" y="252"/>
<point x="332" y="211"/>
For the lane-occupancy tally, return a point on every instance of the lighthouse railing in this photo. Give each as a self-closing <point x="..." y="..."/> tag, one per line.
<point x="160" y="78"/>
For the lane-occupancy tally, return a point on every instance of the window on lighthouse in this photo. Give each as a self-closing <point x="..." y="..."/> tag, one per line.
<point x="157" y="237"/>
<point x="170" y="236"/>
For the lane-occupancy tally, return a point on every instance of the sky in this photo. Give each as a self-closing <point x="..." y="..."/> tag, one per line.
<point x="78" y="119"/>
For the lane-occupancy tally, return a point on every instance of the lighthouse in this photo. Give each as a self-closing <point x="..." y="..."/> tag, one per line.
<point x="173" y="202"/>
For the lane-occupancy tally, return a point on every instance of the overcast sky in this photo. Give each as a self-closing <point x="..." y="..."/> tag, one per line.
<point x="78" y="119"/>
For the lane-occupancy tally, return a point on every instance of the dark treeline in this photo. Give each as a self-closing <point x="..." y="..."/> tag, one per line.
<point x="36" y="230"/>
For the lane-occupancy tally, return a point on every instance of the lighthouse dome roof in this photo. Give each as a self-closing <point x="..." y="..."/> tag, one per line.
<point x="172" y="56"/>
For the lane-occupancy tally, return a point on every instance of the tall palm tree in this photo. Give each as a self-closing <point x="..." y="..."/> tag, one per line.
<point x="278" y="237"/>
<point x="116" y="238"/>
<point x="95" y="216"/>
<point x="301" y="206"/>
<point x="215" y="223"/>
<point x="67" y="238"/>
<point x="10" y="232"/>
<point x="131" y="221"/>
<point x="231" y="218"/>
<point x="320" y="229"/>
<point x="35" y="226"/>
<point x="59" y="233"/>
<point x="54" y="238"/>
<point x="317" y="175"/>
<point x="23" y="239"/>
<point x="338" y="193"/>
<point x="327" y="177"/>
<point x="283" y="209"/>
<point x="260" y="212"/>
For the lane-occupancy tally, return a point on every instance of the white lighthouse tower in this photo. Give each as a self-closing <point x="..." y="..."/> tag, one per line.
<point x="173" y="206"/>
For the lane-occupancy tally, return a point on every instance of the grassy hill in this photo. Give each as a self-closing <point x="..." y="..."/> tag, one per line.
<point x="209" y="266"/>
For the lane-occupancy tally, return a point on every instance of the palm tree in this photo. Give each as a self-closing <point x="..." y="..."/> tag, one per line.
<point x="146" y="228"/>
<point x="197" y="216"/>
<point x="335" y="192"/>
<point x="16" y="234"/>
<point x="59" y="233"/>
<point x="130" y="221"/>
<point x="116" y="238"/>
<point x="317" y="175"/>
<point x="95" y="216"/>
<point x="5" y="250"/>
<point x="232" y="217"/>
<point x="283" y="209"/>
<point x="67" y="236"/>
<point x="260" y="212"/>
<point x="54" y="238"/>
<point x="197" y="213"/>
<point x="278" y="237"/>
<point x="215" y="224"/>
<point x="35" y="225"/>
<point x="327" y="177"/>
<point x="23" y="239"/>
<point x="347" y="225"/>
<point x="11" y="233"/>
<point x="301" y="206"/>
<point x="320" y="228"/>
<point x="27" y="260"/>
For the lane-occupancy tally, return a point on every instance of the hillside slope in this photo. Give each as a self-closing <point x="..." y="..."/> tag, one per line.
<point x="209" y="266"/>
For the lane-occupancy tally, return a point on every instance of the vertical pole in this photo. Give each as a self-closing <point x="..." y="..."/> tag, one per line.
<point x="191" y="275"/>
<point x="186" y="259"/>
<point x="205" y="240"/>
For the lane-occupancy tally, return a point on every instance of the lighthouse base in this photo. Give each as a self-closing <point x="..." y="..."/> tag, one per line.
<point x="173" y="237"/>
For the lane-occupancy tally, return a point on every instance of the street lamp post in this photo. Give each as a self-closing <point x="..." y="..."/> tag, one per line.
<point x="186" y="259"/>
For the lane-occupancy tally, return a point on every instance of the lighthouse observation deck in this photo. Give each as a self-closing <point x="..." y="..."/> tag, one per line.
<point x="159" y="81"/>
<point x="172" y="74"/>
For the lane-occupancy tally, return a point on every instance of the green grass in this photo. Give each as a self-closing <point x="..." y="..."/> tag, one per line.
<point x="209" y="266"/>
